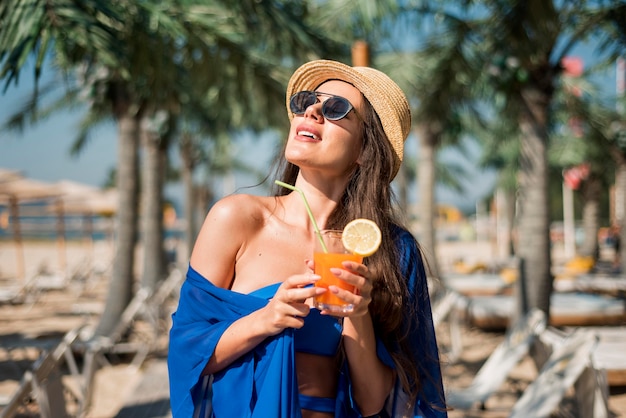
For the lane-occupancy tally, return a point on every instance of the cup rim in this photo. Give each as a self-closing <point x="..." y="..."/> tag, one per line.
<point x="336" y="231"/>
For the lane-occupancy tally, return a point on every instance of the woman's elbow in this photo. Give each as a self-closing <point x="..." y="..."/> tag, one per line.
<point x="371" y="402"/>
<point x="373" y="407"/>
<point x="211" y="367"/>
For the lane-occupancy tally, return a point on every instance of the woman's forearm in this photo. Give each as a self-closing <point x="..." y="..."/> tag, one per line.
<point x="238" y="339"/>
<point x="372" y="380"/>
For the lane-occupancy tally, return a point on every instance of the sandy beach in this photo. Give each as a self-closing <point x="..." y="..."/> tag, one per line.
<point x="26" y="327"/>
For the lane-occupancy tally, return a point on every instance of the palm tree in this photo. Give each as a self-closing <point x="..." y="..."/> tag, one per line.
<point x="611" y="32"/>
<point x="436" y="126"/>
<point x="438" y="79"/>
<point x="518" y="46"/>
<point x="130" y="89"/>
<point x="606" y="136"/>
<point x="191" y="154"/>
<point x="572" y="143"/>
<point x="435" y="79"/>
<point x="577" y="144"/>
<point x="241" y="82"/>
<point x="212" y="156"/>
<point x="203" y="46"/>
<point x="499" y="140"/>
<point x="73" y="33"/>
<point x="523" y="44"/>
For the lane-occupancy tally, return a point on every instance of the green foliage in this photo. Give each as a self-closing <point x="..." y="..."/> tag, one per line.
<point x="608" y="25"/>
<point x="71" y="29"/>
<point x="369" y="20"/>
<point x="224" y="64"/>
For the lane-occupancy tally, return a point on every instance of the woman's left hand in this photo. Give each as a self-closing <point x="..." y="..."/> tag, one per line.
<point x="358" y="275"/>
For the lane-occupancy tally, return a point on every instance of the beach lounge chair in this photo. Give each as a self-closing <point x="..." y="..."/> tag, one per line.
<point x="16" y="294"/>
<point x="593" y="283"/>
<point x="592" y="391"/>
<point x="22" y="291"/>
<point x="478" y="284"/>
<point x="592" y="387"/>
<point x="562" y="370"/>
<point x="446" y="306"/>
<point x="566" y="309"/>
<point x="43" y="383"/>
<point x="144" y="305"/>
<point x="38" y="281"/>
<point x="609" y="354"/>
<point x="504" y="358"/>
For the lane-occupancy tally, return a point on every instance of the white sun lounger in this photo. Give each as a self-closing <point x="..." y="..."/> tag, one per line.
<point x="144" y="305"/>
<point x="500" y="363"/>
<point x="561" y="371"/>
<point x="43" y="381"/>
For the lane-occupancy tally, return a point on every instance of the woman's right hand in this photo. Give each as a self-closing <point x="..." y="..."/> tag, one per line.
<point x="288" y="307"/>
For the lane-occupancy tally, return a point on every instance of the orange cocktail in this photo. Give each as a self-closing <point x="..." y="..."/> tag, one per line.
<point x="323" y="263"/>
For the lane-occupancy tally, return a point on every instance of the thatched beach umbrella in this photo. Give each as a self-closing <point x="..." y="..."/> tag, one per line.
<point x="13" y="191"/>
<point x="86" y="200"/>
<point x="9" y="175"/>
<point x="68" y="191"/>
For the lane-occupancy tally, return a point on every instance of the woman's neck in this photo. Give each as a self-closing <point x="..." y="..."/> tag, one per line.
<point x="322" y="197"/>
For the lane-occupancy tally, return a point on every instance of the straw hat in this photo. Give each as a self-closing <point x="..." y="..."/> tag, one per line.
<point x="382" y="92"/>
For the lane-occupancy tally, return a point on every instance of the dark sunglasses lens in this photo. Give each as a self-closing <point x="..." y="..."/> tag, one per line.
<point x="300" y="101"/>
<point x="336" y="108"/>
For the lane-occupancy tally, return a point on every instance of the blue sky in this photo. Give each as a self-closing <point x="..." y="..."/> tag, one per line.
<point x="42" y="151"/>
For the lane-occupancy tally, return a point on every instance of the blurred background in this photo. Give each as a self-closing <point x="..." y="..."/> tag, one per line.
<point x="122" y="122"/>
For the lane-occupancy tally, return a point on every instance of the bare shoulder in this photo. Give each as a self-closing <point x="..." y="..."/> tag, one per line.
<point x="230" y="224"/>
<point x="242" y="211"/>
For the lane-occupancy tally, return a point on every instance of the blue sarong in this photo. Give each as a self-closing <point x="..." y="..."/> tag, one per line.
<point x="262" y="382"/>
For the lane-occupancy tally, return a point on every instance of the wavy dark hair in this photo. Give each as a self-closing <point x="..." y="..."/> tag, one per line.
<point x="369" y="195"/>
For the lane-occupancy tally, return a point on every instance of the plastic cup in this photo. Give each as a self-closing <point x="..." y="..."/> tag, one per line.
<point x="323" y="263"/>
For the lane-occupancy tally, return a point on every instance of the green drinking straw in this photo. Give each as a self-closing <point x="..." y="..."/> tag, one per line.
<point x="308" y="209"/>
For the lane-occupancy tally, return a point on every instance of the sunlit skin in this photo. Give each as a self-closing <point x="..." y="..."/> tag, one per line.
<point x="249" y="242"/>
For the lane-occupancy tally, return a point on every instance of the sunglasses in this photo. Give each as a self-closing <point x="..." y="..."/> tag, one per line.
<point x="333" y="108"/>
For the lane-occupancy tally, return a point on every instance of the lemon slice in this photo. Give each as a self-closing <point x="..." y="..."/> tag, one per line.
<point x="361" y="237"/>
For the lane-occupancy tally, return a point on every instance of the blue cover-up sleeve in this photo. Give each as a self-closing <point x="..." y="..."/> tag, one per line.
<point x="193" y="338"/>
<point x="431" y="401"/>
<point x="264" y="378"/>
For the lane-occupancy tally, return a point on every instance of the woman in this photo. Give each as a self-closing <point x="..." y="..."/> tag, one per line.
<point x="245" y="339"/>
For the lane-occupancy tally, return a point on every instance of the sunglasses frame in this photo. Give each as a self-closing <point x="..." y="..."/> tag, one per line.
<point x="324" y="104"/>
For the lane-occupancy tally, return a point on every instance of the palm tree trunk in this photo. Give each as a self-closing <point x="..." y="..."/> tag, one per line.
<point x="188" y="188"/>
<point x="122" y="277"/>
<point x="505" y="212"/>
<point x="426" y="181"/>
<point x="591" y="192"/>
<point x="534" y="217"/>
<point x="620" y="189"/>
<point x="204" y="198"/>
<point x="402" y="187"/>
<point x="153" y="169"/>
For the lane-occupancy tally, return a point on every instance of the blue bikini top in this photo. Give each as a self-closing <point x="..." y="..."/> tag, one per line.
<point x="321" y="334"/>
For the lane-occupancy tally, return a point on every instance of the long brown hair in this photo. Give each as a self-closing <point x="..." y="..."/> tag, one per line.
<point x="369" y="195"/>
